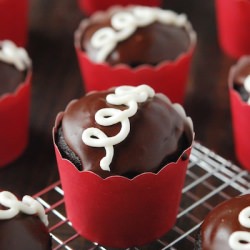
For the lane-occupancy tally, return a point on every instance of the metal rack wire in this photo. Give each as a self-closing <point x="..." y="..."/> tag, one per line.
<point x="210" y="180"/>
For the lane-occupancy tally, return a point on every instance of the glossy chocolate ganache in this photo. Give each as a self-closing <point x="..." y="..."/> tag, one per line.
<point x="135" y="35"/>
<point x="241" y="78"/>
<point x="23" y="224"/>
<point x="14" y="65"/>
<point x="227" y="227"/>
<point x="158" y="131"/>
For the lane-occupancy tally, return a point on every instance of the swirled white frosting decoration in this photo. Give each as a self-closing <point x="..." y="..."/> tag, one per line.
<point x="12" y="54"/>
<point x="246" y="84"/>
<point x="124" y="95"/>
<point x="125" y="23"/>
<point x="28" y="205"/>
<point x="240" y="240"/>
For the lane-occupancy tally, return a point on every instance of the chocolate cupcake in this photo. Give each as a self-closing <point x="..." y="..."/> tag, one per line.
<point x="133" y="39"/>
<point x="227" y="226"/>
<point x="113" y="145"/>
<point x="15" y="77"/>
<point x="23" y="224"/>
<point x="134" y="36"/>
<point x="239" y="92"/>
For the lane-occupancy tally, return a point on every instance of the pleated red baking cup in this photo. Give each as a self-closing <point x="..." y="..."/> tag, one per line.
<point x="14" y="125"/>
<point x="233" y="18"/>
<point x="91" y="6"/>
<point x="14" y="21"/>
<point x="121" y="212"/>
<point x="169" y="77"/>
<point x="240" y="112"/>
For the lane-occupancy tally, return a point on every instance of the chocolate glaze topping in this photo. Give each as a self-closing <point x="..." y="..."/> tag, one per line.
<point x="151" y="44"/>
<point x="158" y="135"/>
<point x="24" y="232"/>
<point x="10" y="78"/>
<point x="222" y="222"/>
<point x="242" y="70"/>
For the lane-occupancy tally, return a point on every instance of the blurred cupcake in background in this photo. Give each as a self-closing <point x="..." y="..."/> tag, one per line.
<point x="233" y="19"/>
<point x="136" y="44"/>
<point x="239" y="90"/>
<point x="91" y="6"/>
<point x="15" y="81"/>
<point x="14" y="21"/>
<point x="122" y="155"/>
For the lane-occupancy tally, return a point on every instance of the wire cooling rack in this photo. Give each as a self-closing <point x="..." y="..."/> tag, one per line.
<point x="210" y="180"/>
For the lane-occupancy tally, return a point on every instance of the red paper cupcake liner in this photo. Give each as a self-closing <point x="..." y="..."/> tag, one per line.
<point x="233" y="17"/>
<point x="240" y="120"/>
<point x="120" y="212"/>
<point x="14" y="21"/>
<point x="169" y="77"/>
<point x="14" y="112"/>
<point x="91" y="6"/>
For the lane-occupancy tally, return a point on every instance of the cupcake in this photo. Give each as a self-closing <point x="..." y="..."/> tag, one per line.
<point x="122" y="155"/>
<point x="15" y="77"/>
<point x="23" y="224"/>
<point x="91" y="6"/>
<point x="14" y="21"/>
<point x="135" y="44"/>
<point x="233" y="21"/>
<point x="239" y="91"/>
<point x="227" y="226"/>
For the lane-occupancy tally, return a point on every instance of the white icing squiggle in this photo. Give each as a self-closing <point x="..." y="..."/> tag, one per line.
<point x="240" y="240"/>
<point x="125" y="23"/>
<point x="247" y="86"/>
<point x="12" y="54"/>
<point x="124" y="95"/>
<point x="28" y="205"/>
